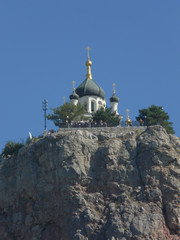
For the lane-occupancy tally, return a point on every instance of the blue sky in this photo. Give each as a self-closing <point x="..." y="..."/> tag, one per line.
<point x="135" y="44"/>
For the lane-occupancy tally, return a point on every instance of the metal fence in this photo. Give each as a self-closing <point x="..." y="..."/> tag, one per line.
<point x="94" y="124"/>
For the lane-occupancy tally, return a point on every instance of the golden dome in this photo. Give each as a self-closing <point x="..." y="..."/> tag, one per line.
<point x="88" y="62"/>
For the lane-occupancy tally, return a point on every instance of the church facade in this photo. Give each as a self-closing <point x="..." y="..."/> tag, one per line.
<point x="91" y="95"/>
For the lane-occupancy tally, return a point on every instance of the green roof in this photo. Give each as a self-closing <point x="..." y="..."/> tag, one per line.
<point x="90" y="88"/>
<point x="114" y="98"/>
<point x="74" y="95"/>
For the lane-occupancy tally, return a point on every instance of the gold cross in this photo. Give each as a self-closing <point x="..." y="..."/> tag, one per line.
<point x="64" y="98"/>
<point x="88" y="49"/>
<point x="127" y="110"/>
<point x="73" y="82"/>
<point x="114" y="87"/>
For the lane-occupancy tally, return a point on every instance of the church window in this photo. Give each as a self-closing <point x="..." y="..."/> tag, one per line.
<point x="92" y="106"/>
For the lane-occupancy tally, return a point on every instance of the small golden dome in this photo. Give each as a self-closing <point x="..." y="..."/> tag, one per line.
<point x="88" y="62"/>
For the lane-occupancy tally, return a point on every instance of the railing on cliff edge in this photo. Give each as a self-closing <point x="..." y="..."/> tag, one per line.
<point x="101" y="124"/>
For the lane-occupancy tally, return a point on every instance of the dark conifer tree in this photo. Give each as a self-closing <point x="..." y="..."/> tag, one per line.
<point x="155" y="115"/>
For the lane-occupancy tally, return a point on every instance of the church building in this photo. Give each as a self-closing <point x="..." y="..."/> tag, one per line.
<point x="91" y="95"/>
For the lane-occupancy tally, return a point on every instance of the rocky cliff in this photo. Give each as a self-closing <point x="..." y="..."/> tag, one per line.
<point x="97" y="184"/>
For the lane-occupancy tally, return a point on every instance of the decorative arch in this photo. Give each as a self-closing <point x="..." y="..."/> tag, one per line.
<point x="100" y="105"/>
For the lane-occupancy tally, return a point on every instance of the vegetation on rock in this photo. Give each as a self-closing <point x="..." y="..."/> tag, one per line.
<point x="155" y="115"/>
<point x="66" y="113"/>
<point x="11" y="149"/>
<point x="105" y="115"/>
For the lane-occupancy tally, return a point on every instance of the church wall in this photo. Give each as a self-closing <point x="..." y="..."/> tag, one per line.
<point x="98" y="103"/>
<point x="74" y="101"/>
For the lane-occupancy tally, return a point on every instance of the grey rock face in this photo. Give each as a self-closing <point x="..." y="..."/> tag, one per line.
<point x="95" y="184"/>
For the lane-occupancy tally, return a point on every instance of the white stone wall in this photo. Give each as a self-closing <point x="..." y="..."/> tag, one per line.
<point x="98" y="102"/>
<point x="74" y="101"/>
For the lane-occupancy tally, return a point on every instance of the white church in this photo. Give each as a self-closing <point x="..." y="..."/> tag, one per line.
<point x="91" y="95"/>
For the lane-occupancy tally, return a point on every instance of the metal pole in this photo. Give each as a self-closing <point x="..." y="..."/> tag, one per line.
<point x="45" y="108"/>
<point x="45" y="120"/>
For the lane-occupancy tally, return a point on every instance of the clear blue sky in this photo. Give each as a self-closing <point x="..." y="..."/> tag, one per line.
<point x="135" y="44"/>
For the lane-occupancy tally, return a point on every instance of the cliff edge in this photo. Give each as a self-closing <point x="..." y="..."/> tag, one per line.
<point x="96" y="184"/>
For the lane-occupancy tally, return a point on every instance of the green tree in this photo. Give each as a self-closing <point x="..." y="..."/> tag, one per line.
<point x="66" y="113"/>
<point x="105" y="115"/>
<point x="155" y="115"/>
<point x="11" y="149"/>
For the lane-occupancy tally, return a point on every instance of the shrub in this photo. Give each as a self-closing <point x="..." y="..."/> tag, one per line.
<point x="11" y="149"/>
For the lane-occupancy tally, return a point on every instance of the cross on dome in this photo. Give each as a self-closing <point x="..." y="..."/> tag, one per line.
<point x="73" y="82"/>
<point x="88" y="49"/>
<point x="127" y="110"/>
<point x="114" y="85"/>
<point x="64" y="98"/>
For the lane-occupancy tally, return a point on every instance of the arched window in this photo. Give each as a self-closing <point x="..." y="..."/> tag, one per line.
<point x="99" y="105"/>
<point x="92" y="106"/>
